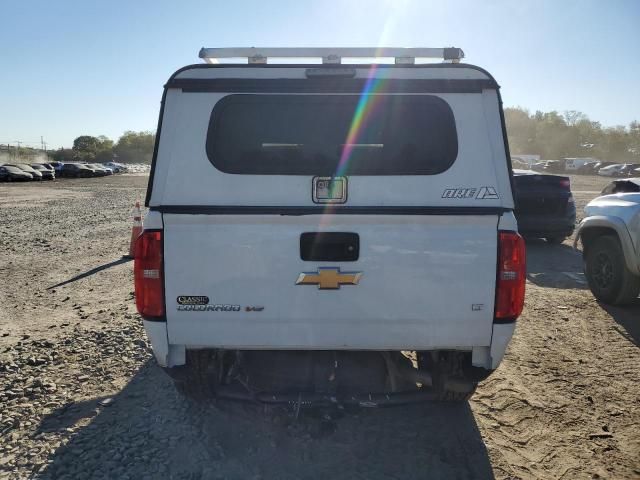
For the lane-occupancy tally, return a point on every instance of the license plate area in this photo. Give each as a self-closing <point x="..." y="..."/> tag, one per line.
<point x="329" y="189"/>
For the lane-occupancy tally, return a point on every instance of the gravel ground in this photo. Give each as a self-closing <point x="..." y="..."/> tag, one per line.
<point x="81" y="397"/>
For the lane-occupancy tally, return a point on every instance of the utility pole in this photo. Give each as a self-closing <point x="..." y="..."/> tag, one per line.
<point x="41" y="143"/>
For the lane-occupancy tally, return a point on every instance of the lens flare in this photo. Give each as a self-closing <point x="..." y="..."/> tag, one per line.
<point x="364" y="109"/>
<point x="369" y="99"/>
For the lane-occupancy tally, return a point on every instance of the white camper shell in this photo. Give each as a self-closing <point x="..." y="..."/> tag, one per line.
<point x="331" y="207"/>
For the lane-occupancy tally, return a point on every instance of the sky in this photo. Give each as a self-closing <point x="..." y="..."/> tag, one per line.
<point x="76" y="67"/>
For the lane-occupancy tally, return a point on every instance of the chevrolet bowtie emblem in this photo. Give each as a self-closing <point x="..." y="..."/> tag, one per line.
<point x="329" y="278"/>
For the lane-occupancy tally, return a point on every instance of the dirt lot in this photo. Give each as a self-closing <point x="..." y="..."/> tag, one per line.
<point x="80" y="396"/>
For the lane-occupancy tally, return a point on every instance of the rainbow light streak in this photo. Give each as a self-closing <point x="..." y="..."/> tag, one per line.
<point x="364" y="110"/>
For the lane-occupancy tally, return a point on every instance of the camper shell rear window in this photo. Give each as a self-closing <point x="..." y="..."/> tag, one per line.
<point x="332" y="135"/>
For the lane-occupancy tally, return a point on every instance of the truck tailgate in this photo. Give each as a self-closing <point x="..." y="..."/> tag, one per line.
<point x="426" y="281"/>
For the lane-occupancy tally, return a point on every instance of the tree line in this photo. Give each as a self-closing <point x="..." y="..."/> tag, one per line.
<point x="572" y="134"/>
<point x="551" y="135"/>
<point x="131" y="147"/>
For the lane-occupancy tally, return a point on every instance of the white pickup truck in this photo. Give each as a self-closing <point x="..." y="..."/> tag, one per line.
<point x="330" y="232"/>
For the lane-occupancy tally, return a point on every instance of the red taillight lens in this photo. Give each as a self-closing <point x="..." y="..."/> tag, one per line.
<point x="148" y="274"/>
<point x="511" y="276"/>
<point x="566" y="183"/>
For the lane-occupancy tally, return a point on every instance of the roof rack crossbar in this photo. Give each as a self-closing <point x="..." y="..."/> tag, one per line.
<point x="331" y="55"/>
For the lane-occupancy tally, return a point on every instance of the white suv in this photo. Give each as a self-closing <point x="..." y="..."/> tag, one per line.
<point x="309" y="222"/>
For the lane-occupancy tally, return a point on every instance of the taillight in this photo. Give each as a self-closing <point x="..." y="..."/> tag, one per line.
<point x="148" y="274"/>
<point x="511" y="276"/>
<point x="566" y="183"/>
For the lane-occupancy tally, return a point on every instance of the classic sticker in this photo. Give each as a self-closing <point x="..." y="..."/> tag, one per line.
<point x="200" y="303"/>
<point x="192" y="300"/>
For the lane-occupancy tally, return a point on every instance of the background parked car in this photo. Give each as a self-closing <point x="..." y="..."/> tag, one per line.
<point x="629" y="169"/>
<point x="116" y="167"/>
<point x="617" y="170"/>
<point x="99" y="170"/>
<point x="610" y="170"/>
<point x="108" y="170"/>
<point x="76" y="170"/>
<point x="518" y="163"/>
<point x="589" y="168"/>
<point x="47" y="173"/>
<point x="537" y="166"/>
<point x="606" y="164"/>
<point x="57" y="166"/>
<point x="544" y="205"/>
<point x="9" y="173"/>
<point x="553" y="166"/>
<point x="34" y="173"/>
<point x="576" y="164"/>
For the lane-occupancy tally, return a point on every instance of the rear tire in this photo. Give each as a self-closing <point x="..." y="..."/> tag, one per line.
<point x="607" y="274"/>
<point x="451" y="383"/>
<point x="198" y="378"/>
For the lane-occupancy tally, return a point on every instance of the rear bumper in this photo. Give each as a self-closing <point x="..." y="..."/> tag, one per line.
<point x="547" y="226"/>
<point x="169" y="355"/>
<point x="500" y="339"/>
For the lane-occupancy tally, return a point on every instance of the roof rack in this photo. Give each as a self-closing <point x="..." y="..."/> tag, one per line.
<point x="331" y="55"/>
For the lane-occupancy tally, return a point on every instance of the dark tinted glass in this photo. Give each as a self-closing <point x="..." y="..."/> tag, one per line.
<point x="332" y="134"/>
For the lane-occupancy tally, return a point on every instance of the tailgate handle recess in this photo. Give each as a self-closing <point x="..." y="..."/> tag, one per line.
<point x="329" y="247"/>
